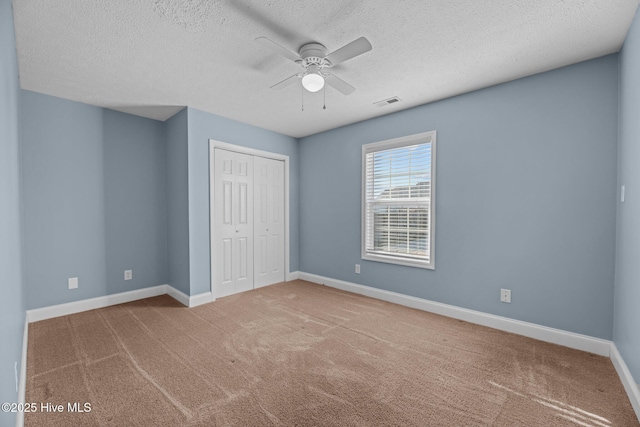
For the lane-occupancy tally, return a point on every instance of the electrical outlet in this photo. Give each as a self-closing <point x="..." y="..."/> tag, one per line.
<point x="128" y="274"/>
<point x="357" y="268"/>
<point x="505" y="295"/>
<point x="73" y="283"/>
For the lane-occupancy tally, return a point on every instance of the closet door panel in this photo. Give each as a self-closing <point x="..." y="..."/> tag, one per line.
<point x="269" y="225"/>
<point x="233" y="222"/>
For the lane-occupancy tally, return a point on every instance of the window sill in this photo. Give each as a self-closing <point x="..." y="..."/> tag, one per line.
<point x="399" y="261"/>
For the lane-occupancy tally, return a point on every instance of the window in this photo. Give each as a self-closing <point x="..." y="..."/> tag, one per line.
<point x="398" y="189"/>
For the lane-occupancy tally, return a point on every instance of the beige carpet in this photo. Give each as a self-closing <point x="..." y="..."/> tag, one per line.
<point x="300" y="354"/>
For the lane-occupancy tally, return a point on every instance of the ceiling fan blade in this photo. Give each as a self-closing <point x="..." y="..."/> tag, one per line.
<point x="286" y="82"/>
<point x="270" y="44"/>
<point x="338" y="84"/>
<point x="348" y="51"/>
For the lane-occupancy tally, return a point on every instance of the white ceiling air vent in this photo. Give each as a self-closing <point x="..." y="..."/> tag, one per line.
<point x="388" y="101"/>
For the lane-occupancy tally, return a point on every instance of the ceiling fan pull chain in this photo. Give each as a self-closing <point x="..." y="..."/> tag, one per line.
<point x="302" y="96"/>
<point x="324" y="96"/>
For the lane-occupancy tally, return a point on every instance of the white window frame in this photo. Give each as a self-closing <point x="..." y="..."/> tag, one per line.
<point x="425" y="137"/>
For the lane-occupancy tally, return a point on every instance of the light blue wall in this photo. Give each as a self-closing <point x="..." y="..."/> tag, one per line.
<point x="64" y="219"/>
<point x="135" y="201"/>
<point x="526" y="188"/>
<point x="627" y="284"/>
<point x="202" y="127"/>
<point x="178" y="201"/>
<point x="107" y="191"/>
<point x="12" y="302"/>
<point x="94" y="200"/>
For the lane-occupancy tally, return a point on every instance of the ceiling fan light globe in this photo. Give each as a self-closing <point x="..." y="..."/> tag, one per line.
<point x="312" y="82"/>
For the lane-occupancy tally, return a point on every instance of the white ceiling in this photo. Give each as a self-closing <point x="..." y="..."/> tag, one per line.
<point x="152" y="57"/>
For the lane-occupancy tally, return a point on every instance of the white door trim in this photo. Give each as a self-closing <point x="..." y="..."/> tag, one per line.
<point x="213" y="144"/>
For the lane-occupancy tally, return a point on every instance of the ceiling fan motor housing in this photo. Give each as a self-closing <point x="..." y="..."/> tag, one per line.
<point x="312" y="49"/>
<point x="313" y="54"/>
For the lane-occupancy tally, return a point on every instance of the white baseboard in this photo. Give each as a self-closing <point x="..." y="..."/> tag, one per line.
<point x="628" y="382"/>
<point x="188" y="301"/>
<point x="177" y="295"/>
<point x="542" y="333"/>
<point x="203" y="298"/>
<point x="22" y="387"/>
<point x="295" y="275"/>
<point x="44" y="313"/>
<point x="50" y="312"/>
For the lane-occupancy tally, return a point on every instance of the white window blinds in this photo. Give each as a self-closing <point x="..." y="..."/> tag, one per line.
<point x="398" y="200"/>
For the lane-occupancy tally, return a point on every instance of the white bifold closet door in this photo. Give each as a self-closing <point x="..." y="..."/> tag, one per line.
<point x="248" y="222"/>
<point x="268" y="229"/>
<point x="233" y="222"/>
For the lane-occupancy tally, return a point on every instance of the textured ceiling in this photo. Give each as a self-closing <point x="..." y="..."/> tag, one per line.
<point x="152" y="57"/>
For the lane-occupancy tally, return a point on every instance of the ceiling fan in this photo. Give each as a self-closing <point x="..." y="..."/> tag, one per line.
<point x="315" y="61"/>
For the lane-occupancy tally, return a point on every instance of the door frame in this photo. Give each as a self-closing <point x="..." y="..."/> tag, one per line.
<point x="213" y="144"/>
